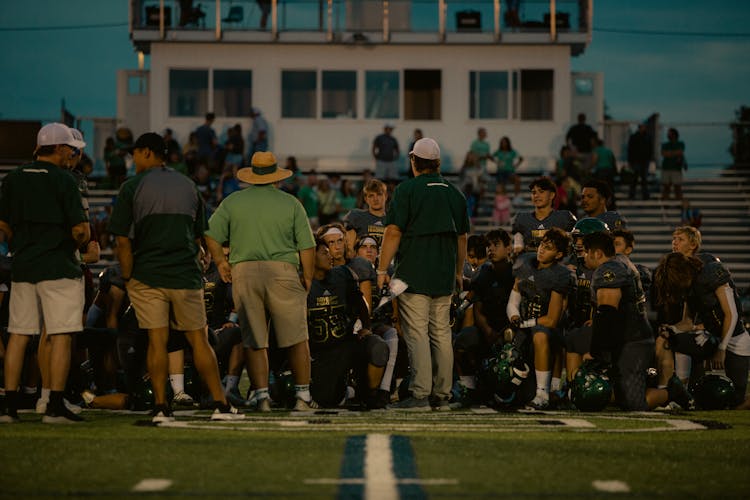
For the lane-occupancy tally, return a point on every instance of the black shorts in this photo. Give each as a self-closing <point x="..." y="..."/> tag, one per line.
<point x="630" y="376"/>
<point x="578" y="340"/>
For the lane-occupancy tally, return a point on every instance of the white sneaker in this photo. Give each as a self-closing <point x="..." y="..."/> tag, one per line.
<point x="263" y="405"/>
<point x="302" y="405"/>
<point x="182" y="399"/>
<point x="41" y="407"/>
<point x="540" y="401"/>
<point x="227" y="412"/>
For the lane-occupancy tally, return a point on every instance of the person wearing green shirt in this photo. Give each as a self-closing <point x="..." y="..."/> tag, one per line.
<point x="507" y="160"/>
<point x="426" y="227"/>
<point x="158" y="220"/>
<point x="269" y="237"/>
<point x="42" y="216"/>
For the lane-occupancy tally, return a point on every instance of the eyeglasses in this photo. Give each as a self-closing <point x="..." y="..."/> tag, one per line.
<point x="75" y="150"/>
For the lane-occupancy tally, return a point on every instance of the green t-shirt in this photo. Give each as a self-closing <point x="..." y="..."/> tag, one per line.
<point x="309" y="199"/>
<point x="482" y="150"/>
<point x="163" y="214"/>
<point x="431" y="213"/>
<point x="41" y="203"/>
<point x="505" y="160"/>
<point x="262" y="223"/>
<point x="605" y="159"/>
<point x="673" y="163"/>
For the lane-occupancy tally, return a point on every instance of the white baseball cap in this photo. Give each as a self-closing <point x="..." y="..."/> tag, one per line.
<point x="53" y="134"/>
<point x="426" y="149"/>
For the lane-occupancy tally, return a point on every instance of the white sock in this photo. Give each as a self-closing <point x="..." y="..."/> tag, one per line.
<point x="555" y="385"/>
<point x="303" y="392"/>
<point x="468" y="381"/>
<point x="391" y="338"/>
<point x="682" y="365"/>
<point x="29" y="390"/>
<point x="261" y="393"/>
<point x="542" y="381"/>
<point x="231" y="383"/>
<point x="177" y="381"/>
<point x="45" y="395"/>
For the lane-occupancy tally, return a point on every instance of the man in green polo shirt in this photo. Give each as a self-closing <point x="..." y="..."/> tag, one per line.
<point x="426" y="227"/>
<point x="42" y="215"/>
<point x="269" y="236"/>
<point x="158" y="220"/>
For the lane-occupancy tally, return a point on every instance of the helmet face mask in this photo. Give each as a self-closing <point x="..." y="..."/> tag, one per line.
<point x="504" y="373"/>
<point x="587" y="225"/>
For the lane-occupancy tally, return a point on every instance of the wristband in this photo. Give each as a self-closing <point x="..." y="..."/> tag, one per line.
<point x="380" y="273"/>
<point x="233" y="317"/>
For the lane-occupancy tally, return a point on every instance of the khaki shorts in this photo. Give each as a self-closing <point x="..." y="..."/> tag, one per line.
<point x="180" y="309"/>
<point x="260" y="286"/>
<point x="54" y="304"/>
<point x="673" y="177"/>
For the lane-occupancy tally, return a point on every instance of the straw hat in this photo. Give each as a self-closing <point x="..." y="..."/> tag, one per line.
<point x="263" y="170"/>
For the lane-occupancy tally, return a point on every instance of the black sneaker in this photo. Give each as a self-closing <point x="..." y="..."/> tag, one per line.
<point x="161" y="414"/>
<point x="679" y="394"/>
<point x="9" y="416"/>
<point x="60" y="416"/>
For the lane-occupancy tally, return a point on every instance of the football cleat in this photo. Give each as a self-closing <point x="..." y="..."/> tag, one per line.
<point x="182" y="398"/>
<point x="540" y="401"/>
<point x="679" y="394"/>
<point x="302" y="405"/>
<point x="161" y="414"/>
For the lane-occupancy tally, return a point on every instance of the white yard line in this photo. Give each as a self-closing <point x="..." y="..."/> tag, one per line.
<point x="611" y="486"/>
<point x="152" y="485"/>
<point x="380" y="482"/>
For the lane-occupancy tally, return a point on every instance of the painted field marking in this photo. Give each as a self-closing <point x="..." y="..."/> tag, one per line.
<point x="380" y="481"/>
<point x="379" y="467"/>
<point x="611" y="486"/>
<point x="152" y="485"/>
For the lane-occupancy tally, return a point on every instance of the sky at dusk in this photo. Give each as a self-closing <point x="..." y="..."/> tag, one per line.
<point x="686" y="59"/>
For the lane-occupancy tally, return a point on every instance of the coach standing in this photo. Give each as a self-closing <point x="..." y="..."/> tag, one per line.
<point x="41" y="213"/>
<point x="269" y="235"/>
<point x="158" y="220"/>
<point x="426" y="227"/>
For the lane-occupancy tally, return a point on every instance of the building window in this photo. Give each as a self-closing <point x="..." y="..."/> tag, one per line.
<point x="537" y="91"/>
<point x="298" y="99"/>
<point x="488" y="94"/>
<point x="422" y="94"/>
<point x="381" y="94"/>
<point x="584" y="86"/>
<point x="233" y="92"/>
<point x="339" y="94"/>
<point x="188" y="92"/>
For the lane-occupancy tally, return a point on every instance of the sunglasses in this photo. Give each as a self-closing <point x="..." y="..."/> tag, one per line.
<point x="75" y="150"/>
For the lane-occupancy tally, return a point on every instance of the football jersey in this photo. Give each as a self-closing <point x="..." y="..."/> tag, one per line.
<point x="703" y="301"/>
<point x="365" y="224"/>
<point x="331" y="308"/>
<point x="536" y="286"/>
<point x="619" y="272"/>
<point x="492" y="289"/>
<point x="533" y="229"/>
<point x="217" y="297"/>
<point x="579" y="303"/>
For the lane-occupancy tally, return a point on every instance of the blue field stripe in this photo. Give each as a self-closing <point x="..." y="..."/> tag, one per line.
<point x="353" y="467"/>
<point x="404" y="466"/>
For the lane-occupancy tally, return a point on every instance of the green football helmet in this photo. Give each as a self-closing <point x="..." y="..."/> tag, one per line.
<point x="590" y="389"/>
<point x="142" y="395"/>
<point x="504" y="373"/>
<point x="281" y="388"/>
<point x="713" y="392"/>
<point x="589" y="225"/>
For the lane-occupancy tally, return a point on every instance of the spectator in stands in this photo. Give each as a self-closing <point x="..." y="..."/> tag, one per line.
<point x="508" y="160"/>
<point x="114" y="161"/>
<point x="235" y="146"/>
<point x="640" y="153"/>
<point x="292" y="184"/>
<point x="579" y="139"/>
<point x="171" y="142"/>
<point x="259" y="124"/>
<point x="386" y="152"/>
<point x="265" y="10"/>
<point x="672" y="165"/>
<point x="481" y="149"/>
<point x="330" y="202"/>
<point x="416" y="135"/>
<point x="207" y="141"/>
<point x="348" y="194"/>
<point x="308" y="196"/>
<point x="604" y="163"/>
<point x="502" y="206"/>
<point x="190" y="153"/>
<point x="690" y="216"/>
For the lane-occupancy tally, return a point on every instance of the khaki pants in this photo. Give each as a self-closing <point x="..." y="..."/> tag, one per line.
<point x="425" y="321"/>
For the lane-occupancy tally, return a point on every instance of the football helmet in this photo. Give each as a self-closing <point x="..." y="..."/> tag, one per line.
<point x="504" y="373"/>
<point x="590" y="389"/>
<point x="281" y="388"/>
<point x="713" y="392"/>
<point x="589" y="225"/>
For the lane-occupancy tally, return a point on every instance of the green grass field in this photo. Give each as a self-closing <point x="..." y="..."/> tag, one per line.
<point x="457" y="454"/>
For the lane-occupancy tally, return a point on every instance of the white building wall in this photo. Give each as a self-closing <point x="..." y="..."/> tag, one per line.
<point x="346" y="142"/>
